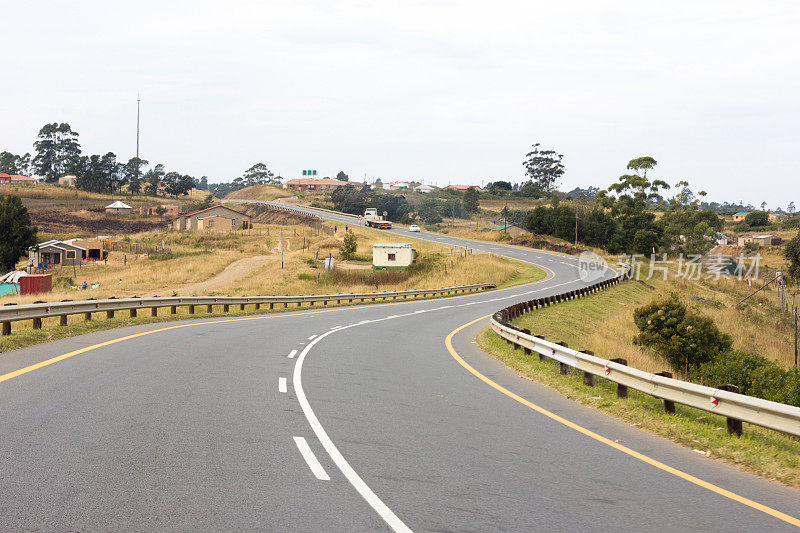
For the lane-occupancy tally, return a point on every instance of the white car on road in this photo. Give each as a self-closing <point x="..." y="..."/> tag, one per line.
<point x="413" y="227"/>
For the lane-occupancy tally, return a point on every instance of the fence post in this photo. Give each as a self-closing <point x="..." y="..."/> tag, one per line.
<point x="154" y="311"/>
<point x="87" y="316"/>
<point x="133" y="313"/>
<point x="669" y="406"/>
<point x="622" y="390"/>
<point x="173" y="309"/>
<point x="37" y="323"/>
<point x="62" y="320"/>
<point x="109" y="314"/>
<point x="734" y="424"/>
<point x="6" y="328"/>
<point x="209" y="308"/>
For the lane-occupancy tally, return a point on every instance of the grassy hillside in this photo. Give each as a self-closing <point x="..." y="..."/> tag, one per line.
<point x="63" y="212"/>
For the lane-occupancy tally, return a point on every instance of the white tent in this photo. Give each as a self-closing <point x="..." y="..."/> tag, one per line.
<point x="118" y="205"/>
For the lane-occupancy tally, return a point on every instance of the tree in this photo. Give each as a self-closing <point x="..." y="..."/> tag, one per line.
<point x="57" y="151"/>
<point x="498" y="186"/>
<point x="641" y="165"/>
<point x="111" y="171"/>
<point x="792" y="254"/>
<point x="160" y="210"/>
<point x="683" y="337"/>
<point x="756" y="219"/>
<point x="790" y="207"/>
<point x="259" y="174"/>
<point x="471" y="200"/>
<point x="429" y="211"/>
<point x="17" y="234"/>
<point x="349" y="245"/>
<point x="763" y="206"/>
<point x="153" y="179"/>
<point x="132" y="170"/>
<point x="544" y="167"/>
<point x="203" y="185"/>
<point x="176" y="184"/>
<point x="341" y="176"/>
<point x="15" y="164"/>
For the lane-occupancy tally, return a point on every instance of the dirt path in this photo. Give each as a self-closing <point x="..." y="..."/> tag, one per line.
<point x="236" y="270"/>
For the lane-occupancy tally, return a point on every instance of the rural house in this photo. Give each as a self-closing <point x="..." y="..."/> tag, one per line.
<point x="119" y="208"/>
<point x="761" y="240"/>
<point x="740" y="216"/>
<point x="318" y="184"/>
<point x="55" y="253"/>
<point x="67" y="181"/>
<point x="216" y="218"/>
<point x="5" y="179"/>
<point x="392" y="255"/>
<point x="172" y="210"/>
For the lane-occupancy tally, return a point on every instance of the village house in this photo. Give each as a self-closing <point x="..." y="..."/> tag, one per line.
<point x="317" y="184"/>
<point x="761" y="240"/>
<point x="425" y="189"/>
<point x="392" y="255"/>
<point x="172" y="210"/>
<point x="740" y="216"/>
<point x="68" y="181"/>
<point x="120" y="208"/>
<point x="462" y="187"/>
<point x="777" y="217"/>
<point x="217" y="218"/>
<point x="66" y="253"/>
<point x="5" y="179"/>
<point x="17" y="178"/>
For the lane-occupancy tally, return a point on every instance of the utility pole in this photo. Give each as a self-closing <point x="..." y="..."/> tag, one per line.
<point x="138" y="101"/>
<point x="281" y="248"/>
<point x="576" y="226"/>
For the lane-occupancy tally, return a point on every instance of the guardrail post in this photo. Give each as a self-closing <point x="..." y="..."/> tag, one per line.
<point x="37" y="323"/>
<point x="154" y="311"/>
<point x="191" y="309"/>
<point x="62" y="320"/>
<point x="6" y="328"/>
<point x="669" y="406"/>
<point x="227" y="307"/>
<point x="622" y="390"/>
<point x="133" y="313"/>
<point x="542" y="357"/>
<point x="173" y="309"/>
<point x="526" y="350"/>
<point x="258" y="307"/>
<point x="209" y="308"/>
<point x="563" y="368"/>
<point x="109" y="314"/>
<point x="734" y="424"/>
<point x="588" y="379"/>
<point x="87" y="316"/>
<point x="241" y="307"/>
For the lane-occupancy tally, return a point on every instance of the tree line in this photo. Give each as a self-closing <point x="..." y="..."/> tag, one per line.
<point x="57" y="152"/>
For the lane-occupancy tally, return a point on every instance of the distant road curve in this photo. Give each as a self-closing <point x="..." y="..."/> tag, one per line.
<point x="354" y="418"/>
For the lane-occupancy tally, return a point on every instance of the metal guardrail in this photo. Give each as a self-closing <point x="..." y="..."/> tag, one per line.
<point x="11" y="312"/>
<point x="724" y="401"/>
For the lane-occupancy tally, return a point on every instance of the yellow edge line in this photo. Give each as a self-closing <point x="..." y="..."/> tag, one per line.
<point x="624" y="449"/>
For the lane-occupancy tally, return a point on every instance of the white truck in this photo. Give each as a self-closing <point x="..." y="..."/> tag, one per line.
<point x="374" y="220"/>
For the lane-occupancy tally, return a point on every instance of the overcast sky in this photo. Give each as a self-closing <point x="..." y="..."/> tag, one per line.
<point x="439" y="91"/>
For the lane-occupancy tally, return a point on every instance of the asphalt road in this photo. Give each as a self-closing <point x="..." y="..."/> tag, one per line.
<point x="348" y="419"/>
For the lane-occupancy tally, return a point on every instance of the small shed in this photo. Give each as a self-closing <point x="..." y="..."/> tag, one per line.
<point x="68" y="180"/>
<point x="761" y="240"/>
<point x="390" y="255"/>
<point x="119" y="207"/>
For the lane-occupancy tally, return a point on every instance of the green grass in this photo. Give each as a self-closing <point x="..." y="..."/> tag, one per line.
<point x="528" y="274"/>
<point x="761" y="451"/>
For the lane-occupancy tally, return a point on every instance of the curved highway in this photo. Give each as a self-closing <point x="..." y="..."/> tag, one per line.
<point x="366" y="418"/>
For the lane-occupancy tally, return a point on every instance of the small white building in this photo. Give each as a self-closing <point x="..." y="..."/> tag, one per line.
<point x="390" y="255"/>
<point x="119" y="207"/>
<point x="425" y="188"/>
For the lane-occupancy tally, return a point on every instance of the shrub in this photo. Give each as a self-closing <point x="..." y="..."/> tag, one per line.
<point x="736" y="368"/>
<point x="349" y="245"/>
<point x="757" y="219"/>
<point x="792" y="253"/>
<point x="686" y="339"/>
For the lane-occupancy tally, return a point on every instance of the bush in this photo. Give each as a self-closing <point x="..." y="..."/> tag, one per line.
<point x="757" y="219"/>
<point x="737" y="368"/>
<point x="307" y="276"/>
<point x="349" y="245"/>
<point x="686" y="339"/>
<point x="792" y="253"/>
<point x="63" y="282"/>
